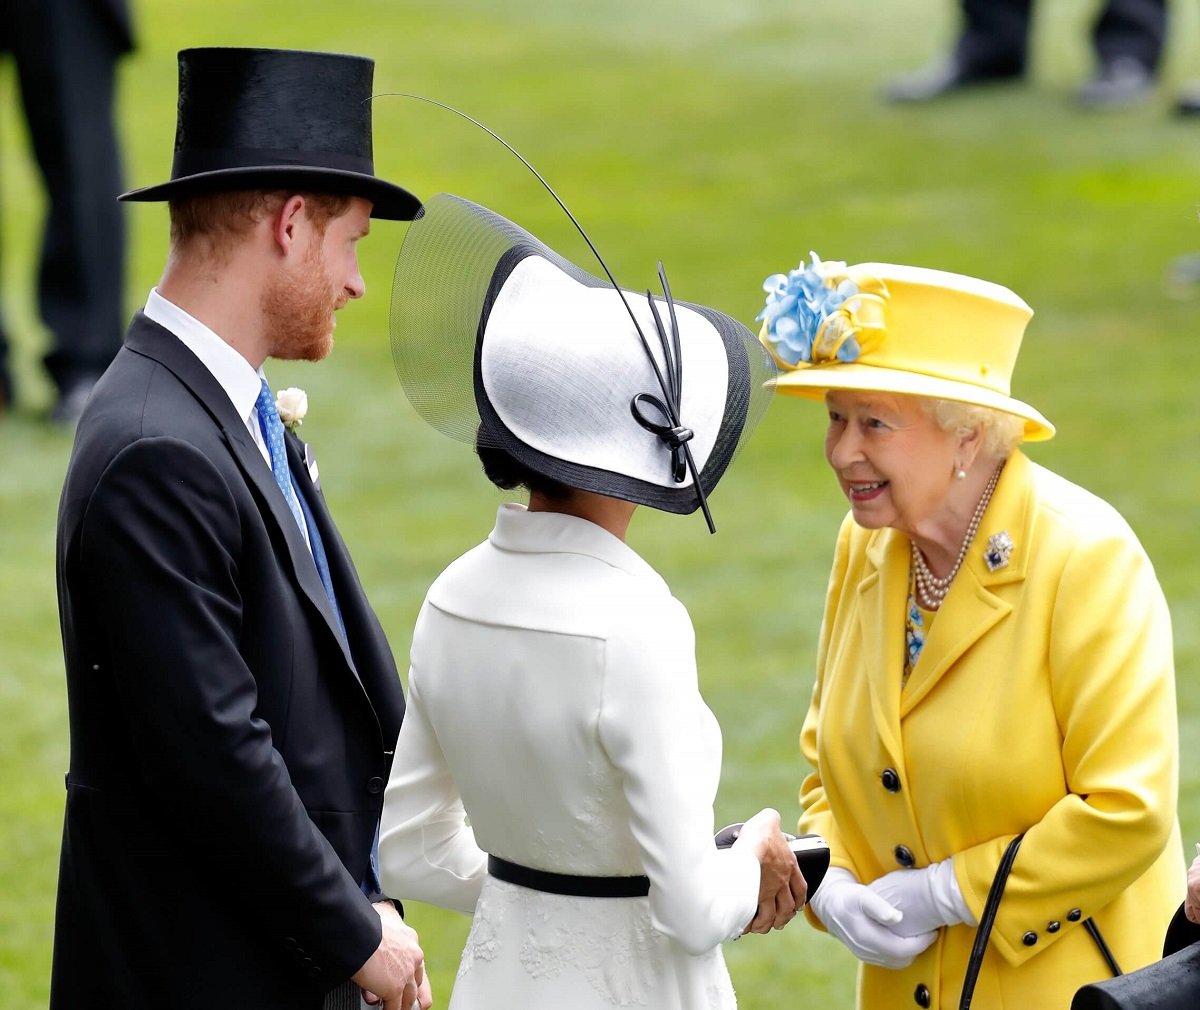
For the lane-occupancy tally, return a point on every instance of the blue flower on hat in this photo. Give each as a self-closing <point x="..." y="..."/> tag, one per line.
<point x="816" y="314"/>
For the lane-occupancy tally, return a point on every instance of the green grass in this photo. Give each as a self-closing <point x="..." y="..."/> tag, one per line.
<point x="728" y="140"/>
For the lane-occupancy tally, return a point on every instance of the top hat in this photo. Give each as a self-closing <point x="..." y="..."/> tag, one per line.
<point x="880" y="327"/>
<point x="276" y="118"/>
<point x="500" y="340"/>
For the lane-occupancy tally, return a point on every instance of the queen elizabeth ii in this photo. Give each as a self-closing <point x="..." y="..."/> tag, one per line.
<point x="995" y="659"/>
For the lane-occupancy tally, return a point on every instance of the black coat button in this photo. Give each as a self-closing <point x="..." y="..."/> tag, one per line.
<point x="1030" y="938"/>
<point x="904" y="856"/>
<point x="890" y="780"/>
<point x="289" y="942"/>
<point x="1074" y="915"/>
<point x="921" y="995"/>
<point x="1053" y="927"/>
<point x="374" y="785"/>
<point x="315" y="971"/>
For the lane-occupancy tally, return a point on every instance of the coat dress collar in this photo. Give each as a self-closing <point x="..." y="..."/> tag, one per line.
<point x="970" y="610"/>
<point x="518" y="529"/>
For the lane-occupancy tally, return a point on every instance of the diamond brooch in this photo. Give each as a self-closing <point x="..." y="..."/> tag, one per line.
<point x="999" y="549"/>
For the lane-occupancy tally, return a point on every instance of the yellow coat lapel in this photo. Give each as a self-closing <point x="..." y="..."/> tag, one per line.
<point x="883" y="597"/>
<point x="973" y="607"/>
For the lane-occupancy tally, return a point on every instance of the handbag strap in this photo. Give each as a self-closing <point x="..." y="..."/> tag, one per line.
<point x="992" y="906"/>
<point x="1105" y="952"/>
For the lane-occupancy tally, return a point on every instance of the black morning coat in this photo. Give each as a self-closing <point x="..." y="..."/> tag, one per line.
<point x="228" y="752"/>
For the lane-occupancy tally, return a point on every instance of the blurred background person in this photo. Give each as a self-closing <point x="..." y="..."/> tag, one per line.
<point x="66" y="53"/>
<point x="1127" y="37"/>
<point x="557" y="767"/>
<point x="995" y="659"/>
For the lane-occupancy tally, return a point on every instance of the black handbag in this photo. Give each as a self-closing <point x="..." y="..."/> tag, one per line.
<point x="992" y="906"/>
<point x="1170" y="984"/>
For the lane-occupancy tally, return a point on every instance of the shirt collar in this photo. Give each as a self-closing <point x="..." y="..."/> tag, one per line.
<point x="237" y="377"/>
<point x="518" y="529"/>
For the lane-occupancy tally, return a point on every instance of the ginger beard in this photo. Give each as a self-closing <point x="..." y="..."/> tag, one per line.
<point x="298" y="310"/>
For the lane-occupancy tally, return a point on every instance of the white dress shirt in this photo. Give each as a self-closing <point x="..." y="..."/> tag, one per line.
<point x="240" y="380"/>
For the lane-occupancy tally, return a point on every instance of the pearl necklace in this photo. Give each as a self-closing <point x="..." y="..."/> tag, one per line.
<point x="931" y="590"/>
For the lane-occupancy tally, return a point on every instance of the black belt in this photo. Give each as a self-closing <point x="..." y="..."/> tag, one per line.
<point x="568" y="883"/>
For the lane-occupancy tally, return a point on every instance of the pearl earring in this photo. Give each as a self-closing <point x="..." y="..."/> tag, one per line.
<point x="960" y="474"/>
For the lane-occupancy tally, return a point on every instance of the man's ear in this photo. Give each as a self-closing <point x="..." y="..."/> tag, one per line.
<point x="287" y="222"/>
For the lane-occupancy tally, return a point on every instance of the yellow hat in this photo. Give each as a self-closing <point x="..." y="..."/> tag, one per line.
<point x="897" y="329"/>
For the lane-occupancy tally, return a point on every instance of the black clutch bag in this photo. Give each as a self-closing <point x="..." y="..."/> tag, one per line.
<point x="812" y="854"/>
<point x="1170" y="984"/>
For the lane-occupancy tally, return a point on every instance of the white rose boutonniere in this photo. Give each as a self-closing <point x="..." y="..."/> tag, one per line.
<point x="292" y="404"/>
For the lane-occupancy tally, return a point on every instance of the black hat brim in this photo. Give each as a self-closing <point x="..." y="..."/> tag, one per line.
<point x="389" y="201"/>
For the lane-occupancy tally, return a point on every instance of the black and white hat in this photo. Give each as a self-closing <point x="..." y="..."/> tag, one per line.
<point x="498" y="338"/>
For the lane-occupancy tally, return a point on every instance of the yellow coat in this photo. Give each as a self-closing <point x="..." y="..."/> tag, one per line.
<point x="1044" y="701"/>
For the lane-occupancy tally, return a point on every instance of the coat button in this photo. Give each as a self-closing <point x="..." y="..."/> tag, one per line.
<point x="904" y="855"/>
<point x="290" y="942"/>
<point x="1053" y="927"/>
<point x="1030" y="938"/>
<point x="374" y="785"/>
<point x="891" y="781"/>
<point x="921" y="995"/>
<point x="1074" y="915"/>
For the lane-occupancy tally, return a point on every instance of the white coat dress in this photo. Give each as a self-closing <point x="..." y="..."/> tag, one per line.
<point x="554" y="720"/>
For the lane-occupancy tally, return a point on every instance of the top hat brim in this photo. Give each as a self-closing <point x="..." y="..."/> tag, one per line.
<point x="389" y="201"/>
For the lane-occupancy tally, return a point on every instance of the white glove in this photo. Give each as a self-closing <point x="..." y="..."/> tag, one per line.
<point x="865" y="922"/>
<point x="929" y="898"/>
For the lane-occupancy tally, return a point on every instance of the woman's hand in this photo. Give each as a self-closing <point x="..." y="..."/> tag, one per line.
<point x="865" y="922"/>
<point x="928" y="898"/>
<point x="781" y="890"/>
<point x="1191" y="904"/>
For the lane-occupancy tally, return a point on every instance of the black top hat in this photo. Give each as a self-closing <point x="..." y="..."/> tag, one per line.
<point x="268" y="118"/>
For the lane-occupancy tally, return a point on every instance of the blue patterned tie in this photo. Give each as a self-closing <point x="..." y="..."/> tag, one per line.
<point x="272" y="432"/>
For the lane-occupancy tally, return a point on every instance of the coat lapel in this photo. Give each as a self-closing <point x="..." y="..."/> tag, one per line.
<point x="883" y="596"/>
<point x="153" y="341"/>
<point x="335" y="553"/>
<point x="972" y="607"/>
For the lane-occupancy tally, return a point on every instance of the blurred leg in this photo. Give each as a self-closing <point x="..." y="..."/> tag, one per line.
<point x="1129" y="38"/>
<point x="66" y="54"/>
<point x="6" y="383"/>
<point x="993" y="46"/>
<point x="1135" y="29"/>
<point x="995" y="36"/>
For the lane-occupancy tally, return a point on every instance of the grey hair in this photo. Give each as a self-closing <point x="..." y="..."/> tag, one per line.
<point x="999" y="432"/>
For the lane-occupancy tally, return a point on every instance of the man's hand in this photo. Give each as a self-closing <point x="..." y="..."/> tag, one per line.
<point x="782" y="889"/>
<point x="394" y="976"/>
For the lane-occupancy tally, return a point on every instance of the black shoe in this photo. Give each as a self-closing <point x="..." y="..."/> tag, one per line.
<point x="71" y="401"/>
<point x="6" y="391"/>
<point x="1120" y="83"/>
<point x="943" y="79"/>
<point x="1187" y="102"/>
